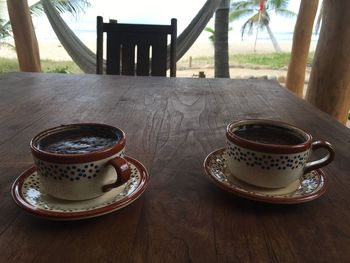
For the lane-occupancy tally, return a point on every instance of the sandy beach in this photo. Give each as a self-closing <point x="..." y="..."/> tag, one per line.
<point x="55" y="51"/>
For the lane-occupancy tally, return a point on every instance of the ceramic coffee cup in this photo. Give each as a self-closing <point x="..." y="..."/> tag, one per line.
<point x="80" y="161"/>
<point x="271" y="154"/>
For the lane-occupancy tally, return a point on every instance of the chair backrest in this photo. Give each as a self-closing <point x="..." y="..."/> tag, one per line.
<point x="149" y="42"/>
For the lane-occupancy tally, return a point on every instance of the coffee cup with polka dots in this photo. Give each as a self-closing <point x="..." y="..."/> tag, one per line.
<point x="80" y="161"/>
<point x="271" y="154"/>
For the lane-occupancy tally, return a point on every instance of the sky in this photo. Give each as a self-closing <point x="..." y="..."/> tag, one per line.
<point x="152" y="12"/>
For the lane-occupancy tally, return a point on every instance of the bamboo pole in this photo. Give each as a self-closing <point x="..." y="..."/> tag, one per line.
<point x="24" y="35"/>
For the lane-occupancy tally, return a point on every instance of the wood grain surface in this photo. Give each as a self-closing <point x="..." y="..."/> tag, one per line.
<point x="171" y="125"/>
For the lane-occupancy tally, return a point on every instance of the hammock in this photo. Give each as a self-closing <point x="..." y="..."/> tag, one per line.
<point x="86" y="59"/>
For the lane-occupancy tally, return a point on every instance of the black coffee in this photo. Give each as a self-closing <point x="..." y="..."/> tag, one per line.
<point x="78" y="141"/>
<point x="269" y="134"/>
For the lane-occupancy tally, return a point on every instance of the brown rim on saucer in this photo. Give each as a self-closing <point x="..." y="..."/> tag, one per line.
<point x="266" y="198"/>
<point x="20" y="200"/>
<point x="76" y="158"/>
<point x="268" y="148"/>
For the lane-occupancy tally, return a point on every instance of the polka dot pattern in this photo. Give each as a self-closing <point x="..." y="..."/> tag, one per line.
<point x="35" y="196"/>
<point x="266" y="161"/>
<point x="309" y="183"/>
<point x="73" y="172"/>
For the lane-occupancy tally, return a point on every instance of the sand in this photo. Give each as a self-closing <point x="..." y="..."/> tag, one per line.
<point x="55" y="51"/>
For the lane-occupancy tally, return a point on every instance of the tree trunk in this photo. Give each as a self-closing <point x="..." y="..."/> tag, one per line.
<point x="301" y="44"/>
<point x="24" y="35"/>
<point x="329" y="86"/>
<point x="221" y="40"/>
<point x="273" y="39"/>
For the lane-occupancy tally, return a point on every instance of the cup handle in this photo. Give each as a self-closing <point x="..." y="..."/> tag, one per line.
<point x="323" y="161"/>
<point x="123" y="171"/>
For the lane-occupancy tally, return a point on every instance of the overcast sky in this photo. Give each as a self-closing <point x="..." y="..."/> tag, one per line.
<point x="154" y="12"/>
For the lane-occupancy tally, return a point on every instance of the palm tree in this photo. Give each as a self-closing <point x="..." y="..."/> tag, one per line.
<point x="73" y="7"/>
<point x="23" y="30"/>
<point x="259" y="12"/>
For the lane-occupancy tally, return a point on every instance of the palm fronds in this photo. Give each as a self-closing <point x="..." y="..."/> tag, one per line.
<point x="73" y="7"/>
<point x="240" y="13"/>
<point x="276" y="4"/>
<point x="249" y="25"/>
<point x="5" y="29"/>
<point x="285" y="13"/>
<point x="212" y="33"/>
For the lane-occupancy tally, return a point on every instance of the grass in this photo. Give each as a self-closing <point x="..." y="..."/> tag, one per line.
<point x="11" y="65"/>
<point x="8" y="65"/>
<point x="275" y="61"/>
<point x="272" y="61"/>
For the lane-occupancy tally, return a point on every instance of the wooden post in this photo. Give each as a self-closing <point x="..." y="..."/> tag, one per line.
<point x="301" y="44"/>
<point x="329" y="86"/>
<point x="24" y="35"/>
<point x="221" y="58"/>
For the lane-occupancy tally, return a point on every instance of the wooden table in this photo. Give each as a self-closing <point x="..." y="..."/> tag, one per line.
<point x="171" y="125"/>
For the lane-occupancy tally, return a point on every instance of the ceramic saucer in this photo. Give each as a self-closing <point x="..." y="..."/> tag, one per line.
<point x="28" y="195"/>
<point x="309" y="187"/>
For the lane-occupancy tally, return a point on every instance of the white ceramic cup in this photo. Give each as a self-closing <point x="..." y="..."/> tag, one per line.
<point x="271" y="165"/>
<point x="81" y="176"/>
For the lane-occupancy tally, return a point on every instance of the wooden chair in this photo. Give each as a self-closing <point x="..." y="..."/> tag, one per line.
<point x="149" y="42"/>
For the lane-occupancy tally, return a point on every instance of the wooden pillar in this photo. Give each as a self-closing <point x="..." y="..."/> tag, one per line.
<point x="221" y="58"/>
<point x="24" y="35"/>
<point x="301" y="44"/>
<point x="329" y="86"/>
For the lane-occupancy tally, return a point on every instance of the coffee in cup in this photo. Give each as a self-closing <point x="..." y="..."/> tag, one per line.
<point x="80" y="161"/>
<point x="271" y="154"/>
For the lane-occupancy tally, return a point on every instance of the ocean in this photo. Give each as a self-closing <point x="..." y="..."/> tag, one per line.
<point x="85" y="29"/>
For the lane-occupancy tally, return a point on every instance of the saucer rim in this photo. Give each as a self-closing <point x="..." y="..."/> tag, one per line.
<point x="20" y="200"/>
<point x="266" y="199"/>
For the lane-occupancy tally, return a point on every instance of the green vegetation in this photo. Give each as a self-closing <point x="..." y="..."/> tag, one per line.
<point x="11" y="65"/>
<point x="275" y="60"/>
<point x="8" y="65"/>
<point x="259" y="16"/>
<point x="272" y="61"/>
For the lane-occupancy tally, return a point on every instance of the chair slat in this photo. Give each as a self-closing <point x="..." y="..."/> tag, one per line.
<point x="143" y="60"/>
<point x="99" y="46"/>
<point x="159" y="55"/>
<point x="128" y="59"/>
<point x="113" y="55"/>
<point x="122" y="39"/>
